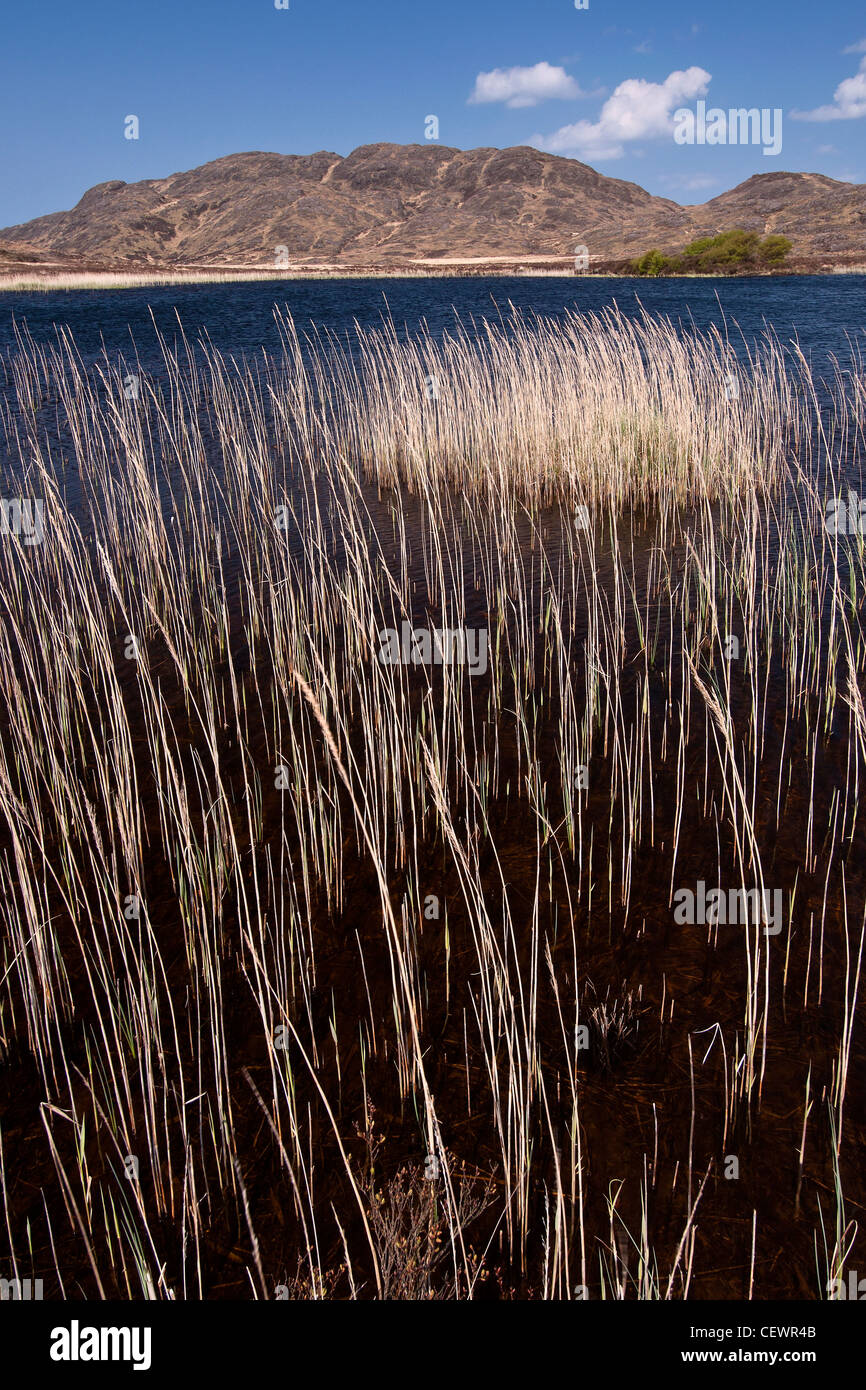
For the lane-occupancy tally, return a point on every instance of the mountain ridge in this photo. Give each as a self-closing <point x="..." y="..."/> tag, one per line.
<point x="397" y="205"/>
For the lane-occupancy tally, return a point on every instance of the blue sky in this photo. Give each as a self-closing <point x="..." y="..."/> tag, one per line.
<point x="212" y="77"/>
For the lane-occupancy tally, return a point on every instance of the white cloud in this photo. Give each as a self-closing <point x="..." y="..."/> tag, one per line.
<point x="690" y="182"/>
<point x="524" y="86"/>
<point x="858" y="47"/>
<point x="635" y="110"/>
<point x="849" y="101"/>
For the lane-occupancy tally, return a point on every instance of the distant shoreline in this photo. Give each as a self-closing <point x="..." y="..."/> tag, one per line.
<point x="390" y="211"/>
<point x="23" y="281"/>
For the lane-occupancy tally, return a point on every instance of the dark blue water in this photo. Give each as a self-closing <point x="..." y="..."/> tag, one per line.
<point x="825" y="314"/>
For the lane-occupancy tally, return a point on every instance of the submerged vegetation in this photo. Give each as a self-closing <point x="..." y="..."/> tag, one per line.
<point x="326" y="977"/>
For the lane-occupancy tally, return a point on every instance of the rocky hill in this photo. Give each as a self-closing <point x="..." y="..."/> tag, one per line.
<point x="393" y="205"/>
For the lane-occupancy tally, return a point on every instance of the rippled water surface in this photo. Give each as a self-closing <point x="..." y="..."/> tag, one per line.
<point x="822" y="313"/>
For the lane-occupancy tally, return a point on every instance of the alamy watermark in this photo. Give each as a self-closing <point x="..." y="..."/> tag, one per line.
<point x="19" y="516"/>
<point x="856" y="1288"/>
<point x="445" y="646"/>
<point x="20" y="1290"/>
<point x="77" y="1343"/>
<point x="734" y="907"/>
<point x="738" y="126"/>
<point x="846" y="517"/>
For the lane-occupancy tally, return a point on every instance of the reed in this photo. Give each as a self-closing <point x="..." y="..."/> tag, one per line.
<point x="259" y="885"/>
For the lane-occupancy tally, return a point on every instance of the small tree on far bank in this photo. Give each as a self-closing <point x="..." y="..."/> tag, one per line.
<point x="653" y="263"/>
<point x="729" y="253"/>
<point x="774" y="249"/>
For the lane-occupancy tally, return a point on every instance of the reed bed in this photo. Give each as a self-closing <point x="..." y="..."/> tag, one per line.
<point x="51" y="281"/>
<point x="323" y="976"/>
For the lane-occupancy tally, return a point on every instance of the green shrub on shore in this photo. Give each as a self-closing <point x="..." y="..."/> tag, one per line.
<point x="728" y="253"/>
